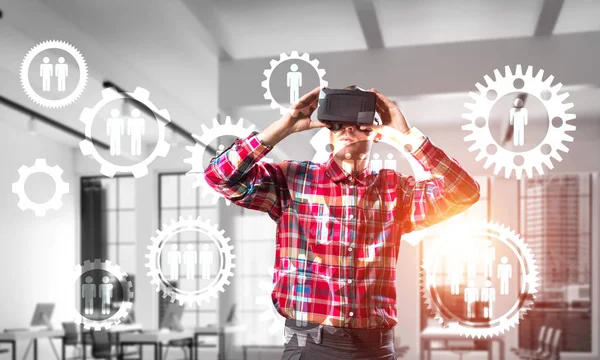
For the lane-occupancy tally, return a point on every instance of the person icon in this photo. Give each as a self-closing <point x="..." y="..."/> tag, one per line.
<point x="190" y="259"/>
<point x="61" y="72"/>
<point x="294" y="82"/>
<point x="376" y="163"/>
<point x="518" y="120"/>
<point x="206" y="261"/>
<point x="88" y="293"/>
<point x="302" y="298"/>
<point x="471" y="298"/>
<point x="390" y="163"/>
<point x="489" y="255"/>
<point x="454" y="274"/>
<point x="46" y="72"/>
<point x="504" y="274"/>
<point x="106" y="294"/>
<point x="136" y="127"/>
<point x="488" y="296"/>
<point x="115" y="127"/>
<point x="174" y="259"/>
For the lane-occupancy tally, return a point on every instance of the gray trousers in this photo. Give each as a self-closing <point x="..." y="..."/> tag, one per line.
<point x="324" y="343"/>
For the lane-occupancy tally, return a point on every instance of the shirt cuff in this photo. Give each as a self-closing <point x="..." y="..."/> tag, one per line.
<point x="249" y="148"/>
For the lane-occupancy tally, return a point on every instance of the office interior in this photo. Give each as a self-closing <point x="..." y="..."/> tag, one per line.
<point x="204" y="63"/>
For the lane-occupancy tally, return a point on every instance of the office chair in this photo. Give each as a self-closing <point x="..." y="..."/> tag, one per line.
<point x="71" y="338"/>
<point x="102" y="347"/>
<point x="551" y="349"/>
<point x="183" y="344"/>
<point x="540" y="345"/>
<point x="401" y="351"/>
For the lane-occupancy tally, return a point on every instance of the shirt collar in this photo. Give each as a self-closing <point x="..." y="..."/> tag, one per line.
<point x="337" y="174"/>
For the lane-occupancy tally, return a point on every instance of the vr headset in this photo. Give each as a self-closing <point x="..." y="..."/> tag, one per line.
<point x="346" y="107"/>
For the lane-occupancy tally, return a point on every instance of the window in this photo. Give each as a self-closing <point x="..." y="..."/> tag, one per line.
<point x="178" y="198"/>
<point x="556" y="221"/>
<point x="478" y="212"/>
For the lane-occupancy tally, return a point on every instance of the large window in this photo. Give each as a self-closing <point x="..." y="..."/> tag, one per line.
<point x="178" y="198"/>
<point x="556" y="221"/>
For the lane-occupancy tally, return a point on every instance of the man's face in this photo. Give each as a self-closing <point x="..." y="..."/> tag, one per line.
<point x="350" y="143"/>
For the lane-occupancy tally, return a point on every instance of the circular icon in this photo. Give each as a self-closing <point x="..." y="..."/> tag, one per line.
<point x="54" y="84"/>
<point x="294" y="80"/>
<point x="61" y="187"/>
<point x="481" y="278"/>
<point x="167" y="255"/>
<point x="105" y="294"/>
<point x="116" y="127"/>
<point x="544" y="92"/>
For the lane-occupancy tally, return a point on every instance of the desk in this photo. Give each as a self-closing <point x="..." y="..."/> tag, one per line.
<point x="260" y="347"/>
<point x="219" y="332"/>
<point x="13" y="336"/>
<point x="452" y="333"/>
<point x="117" y="329"/>
<point x="157" y="339"/>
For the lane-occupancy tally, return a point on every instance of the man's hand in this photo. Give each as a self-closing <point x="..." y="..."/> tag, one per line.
<point x="390" y="114"/>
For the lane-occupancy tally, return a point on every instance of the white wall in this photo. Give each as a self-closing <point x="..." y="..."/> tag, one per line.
<point x="37" y="255"/>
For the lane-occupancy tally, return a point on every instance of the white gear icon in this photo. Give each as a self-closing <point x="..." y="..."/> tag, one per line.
<point x="320" y="142"/>
<point x="225" y="269"/>
<point x="199" y="149"/>
<point x="81" y="64"/>
<point x="529" y="272"/>
<point x="87" y="147"/>
<point x="126" y="304"/>
<point x="40" y="166"/>
<point x="268" y="72"/>
<point x="543" y="152"/>
<point x="269" y="313"/>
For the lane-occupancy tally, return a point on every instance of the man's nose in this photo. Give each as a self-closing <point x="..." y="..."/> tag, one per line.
<point x="350" y="128"/>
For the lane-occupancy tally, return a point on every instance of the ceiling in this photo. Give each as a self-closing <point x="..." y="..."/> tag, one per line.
<point x="173" y="47"/>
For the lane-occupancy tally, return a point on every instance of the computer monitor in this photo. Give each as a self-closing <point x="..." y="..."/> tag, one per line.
<point x="172" y="318"/>
<point x="42" y="315"/>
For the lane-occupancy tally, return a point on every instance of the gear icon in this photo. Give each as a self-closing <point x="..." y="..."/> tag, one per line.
<point x="87" y="147"/>
<point x="546" y="150"/>
<point x="40" y="166"/>
<point x="270" y="314"/>
<point x="59" y="45"/>
<point x="126" y="285"/>
<point x="321" y="143"/>
<point x="225" y="269"/>
<point x="496" y="325"/>
<point x="274" y="63"/>
<point x="199" y="149"/>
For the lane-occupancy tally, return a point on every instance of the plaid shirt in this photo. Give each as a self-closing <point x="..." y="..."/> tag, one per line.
<point x="338" y="235"/>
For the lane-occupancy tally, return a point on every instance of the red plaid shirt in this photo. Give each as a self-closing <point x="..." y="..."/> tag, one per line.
<point x="338" y="236"/>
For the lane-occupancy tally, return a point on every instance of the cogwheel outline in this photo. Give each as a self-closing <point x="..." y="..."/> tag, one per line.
<point x="533" y="158"/>
<point x="107" y="168"/>
<point x="61" y="187"/>
<point x="319" y="142"/>
<point x="161" y="282"/>
<point x="198" y="150"/>
<point x="126" y="285"/>
<point x="270" y="314"/>
<point x="528" y="289"/>
<point x="81" y="64"/>
<point x="268" y="72"/>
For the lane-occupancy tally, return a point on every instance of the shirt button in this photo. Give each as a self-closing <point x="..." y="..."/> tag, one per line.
<point x="351" y="313"/>
<point x="349" y="281"/>
<point x="349" y="249"/>
<point x="351" y="217"/>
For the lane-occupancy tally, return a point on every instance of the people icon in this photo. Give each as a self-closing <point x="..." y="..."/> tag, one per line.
<point x="174" y="259"/>
<point x="488" y="296"/>
<point x="518" y="120"/>
<point x="390" y="163"/>
<point x="376" y="164"/>
<point x="206" y="261"/>
<point x="106" y="294"/>
<point x="190" y="259"/>
<point x="61" y="72"/>
<point x="454" y="274"/>
<point x="46" y="73"/>
<point x="115" y="128"/>
<point x="504" y="274"/>
<point x="136" y="127"/>
<point x="489" y="255"/>
<point x="88" y="293"/>
<point x="294" y="82"/>
<point x="302" y="298"/>
<point x="471" y="298"/>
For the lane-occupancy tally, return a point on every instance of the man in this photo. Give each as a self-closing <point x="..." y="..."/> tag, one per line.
<point x="353" y="299"/>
